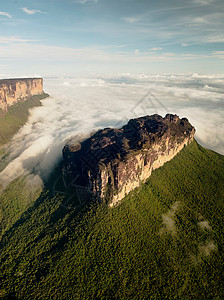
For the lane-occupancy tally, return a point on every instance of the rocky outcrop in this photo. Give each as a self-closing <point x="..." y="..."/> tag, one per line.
<point x="14" y="90"/>
<point x="112" y="162"/>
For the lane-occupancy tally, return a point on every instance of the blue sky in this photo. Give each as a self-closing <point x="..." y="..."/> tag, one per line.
<point x="70" y="37"/>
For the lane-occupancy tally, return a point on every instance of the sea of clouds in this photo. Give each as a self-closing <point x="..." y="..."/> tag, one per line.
<point x="78" y="106"/>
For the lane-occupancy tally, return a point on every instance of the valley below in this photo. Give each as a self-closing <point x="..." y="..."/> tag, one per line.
<point x="165" y="238"/>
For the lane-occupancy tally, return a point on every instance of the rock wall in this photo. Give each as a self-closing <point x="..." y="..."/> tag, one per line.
<point x="112" y="162"/>
<point x="14" y="90"/>
<point x="139" y="172"/>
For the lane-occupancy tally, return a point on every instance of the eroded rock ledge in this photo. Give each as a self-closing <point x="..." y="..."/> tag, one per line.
<point x="21" y="89"/>
<point x="112" y="162"/>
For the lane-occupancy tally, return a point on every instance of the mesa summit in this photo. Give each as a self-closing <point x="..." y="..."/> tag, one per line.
<point x="112" y="162"/>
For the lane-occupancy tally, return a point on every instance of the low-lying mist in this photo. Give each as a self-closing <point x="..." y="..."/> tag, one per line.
<point x="78" y="106"/>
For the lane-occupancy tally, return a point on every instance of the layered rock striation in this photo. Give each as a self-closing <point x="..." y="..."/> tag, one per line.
<point x="14" y="90"/>
<point x="112" y="162"/>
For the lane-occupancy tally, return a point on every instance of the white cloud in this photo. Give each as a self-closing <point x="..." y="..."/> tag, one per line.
<point x="109" y="101"/>
<point x="121" y="46"/>
<point x="218" y="54"/>
<point x="86" y="1"/>
<point x="32" y="11"/>
<point x="45" y="59"/>
<point x="204" y="225"/>
<point x="207" y="39"/>
<point x="169" y="224"/>
<point x="155" y="49"/>
<point x="188" y="56"/>
<point x="13" y="39"/>
<point x="91" y="54"/>
<point x="82" y="55"/>
<point x="200" y="20"/>
<point x="207" y="248"/>
<point x="185" y="45"/>
<point x="214" y="39"/>
<point x="131" y="19"/>
<point x="41" y="58"/>
<point x="5" y="14"/>
<point x="203" y="2"/>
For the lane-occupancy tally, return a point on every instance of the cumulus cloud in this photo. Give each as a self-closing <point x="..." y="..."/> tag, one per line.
<point x="32" y="11"/>
<point x="87" y="1"/>
<point x="155" y="49"/>
<point x="78" y="106"/>
<point x="5" y="14"/>
<point x="130" y="19"/>
<point x="185" y="45"/>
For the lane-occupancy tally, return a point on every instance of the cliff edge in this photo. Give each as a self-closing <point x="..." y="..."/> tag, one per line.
<point x="112" y="162"/>
<point x="15" y="90"/>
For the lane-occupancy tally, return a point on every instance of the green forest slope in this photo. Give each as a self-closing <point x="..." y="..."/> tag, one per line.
<point x="164" y="241"/>
<point x="17" y="116"/>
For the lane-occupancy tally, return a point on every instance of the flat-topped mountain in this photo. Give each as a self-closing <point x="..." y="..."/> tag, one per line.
<point x="165" y="240"/>
<point x="112" y="162"/>
<point x="18" y="89"/>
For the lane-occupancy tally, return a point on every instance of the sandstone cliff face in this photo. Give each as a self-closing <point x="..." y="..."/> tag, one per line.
<point x="112" y="162"/>
<point x="14" y="90"/>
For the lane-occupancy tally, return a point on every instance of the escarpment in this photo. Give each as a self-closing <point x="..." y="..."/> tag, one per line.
<point x="14" y="90"/>
<point x="112" y="162"/>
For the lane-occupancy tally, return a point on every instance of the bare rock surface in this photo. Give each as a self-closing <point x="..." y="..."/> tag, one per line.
<point x="112" y="162"/>
<point x="14" y="90"/>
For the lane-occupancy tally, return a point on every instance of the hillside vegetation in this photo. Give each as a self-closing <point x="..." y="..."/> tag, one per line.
<point x="16" y="116"/>
<point x="163" y="241"/>
<point x="15" y="200"/>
